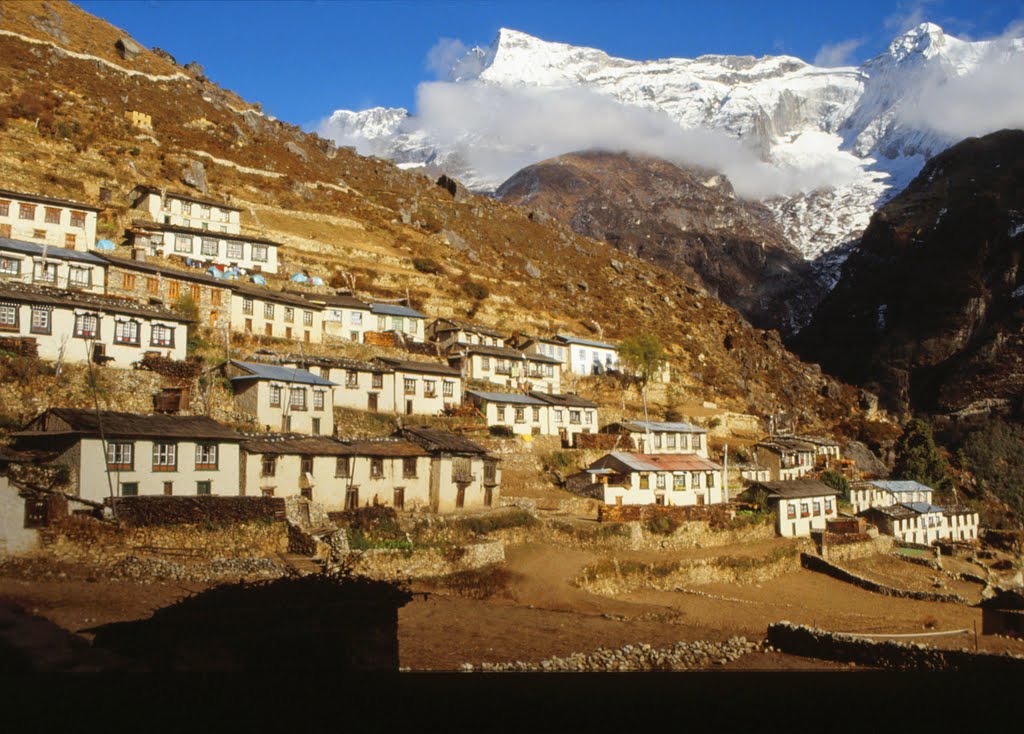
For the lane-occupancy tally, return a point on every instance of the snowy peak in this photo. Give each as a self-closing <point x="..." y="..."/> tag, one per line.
<point x="925" y="40"/>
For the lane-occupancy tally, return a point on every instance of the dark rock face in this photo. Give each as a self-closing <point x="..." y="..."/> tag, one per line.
<point x="688" y="221"/>
<point x="929" y="311"/>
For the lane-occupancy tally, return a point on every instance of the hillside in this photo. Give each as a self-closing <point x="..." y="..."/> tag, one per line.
<point x="928" y="311"/>
<point x="65" y="133"/>
<point x="687" y="220"/>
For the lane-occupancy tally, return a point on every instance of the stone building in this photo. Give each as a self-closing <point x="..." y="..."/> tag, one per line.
<point x="662" y="437"/>
<point x="249" y="253"/>
<point x="508" y="368"/>
<point x="800" y="505"/>
<point x="185" y="210"/>
<point x="258" y="310"/>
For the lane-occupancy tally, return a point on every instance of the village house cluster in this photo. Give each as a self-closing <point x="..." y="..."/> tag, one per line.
<point x="66" y="297"/>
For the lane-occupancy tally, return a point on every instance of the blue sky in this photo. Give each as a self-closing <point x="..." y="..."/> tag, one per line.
<point x="303" y="60"/>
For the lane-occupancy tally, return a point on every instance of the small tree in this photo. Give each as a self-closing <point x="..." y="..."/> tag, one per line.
<point x="189" y="309"/>
<point x="918" y="458"/>
<point x="837" y="481"/>
<point x="644" y="356"/>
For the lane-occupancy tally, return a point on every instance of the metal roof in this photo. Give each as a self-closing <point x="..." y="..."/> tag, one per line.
<point x="797" y="488"/>
<point x="921" y="507"/>
<point x="389" y="309"/>
<point x="655" y="426"/>
<point x="60" y="297"/>
<point x="584" y="342"/>
<point x="8" y="194"/>
<point x="274" y="372"/>
<point x="415" y="367"/>
<point x="568" y="400"/>
<point x="505" y="397"/>
<point x="58" y="253"/>
<point x="658" y="462"/>
<point x="901" y="486"/>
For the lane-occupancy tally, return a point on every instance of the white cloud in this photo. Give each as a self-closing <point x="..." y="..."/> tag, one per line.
<point x="907" y="16"/>
<point x="838" y="54"/>
<point x="452" y="60"/>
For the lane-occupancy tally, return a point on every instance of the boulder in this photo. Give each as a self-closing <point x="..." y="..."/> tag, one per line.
<point x="453" y="187"/>
<point x="864" y="459"/>
<point x="532" y="270"/>
<point x="194" y="175"/>
<point x="128" y="48"/>
<point x="455" y="240"/>
<point x="195" y="69"/>
<point x="294" y="148"/>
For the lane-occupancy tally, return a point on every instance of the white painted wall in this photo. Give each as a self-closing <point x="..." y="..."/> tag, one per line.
<point x="183" y="213"/>
<point x="670" y="442"/>
<point x="61" y="233"/>
<point x="706" y="484"/>
<point x="252" y="397"/>
<point x="168" y="243"/>
<point x="14" y="536"/>
<point x="257" y="319"/>
<point x="58" y="273"/>
<point x="798" y="525"/>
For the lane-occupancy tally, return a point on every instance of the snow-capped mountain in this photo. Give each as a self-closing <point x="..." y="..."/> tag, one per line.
<point x="822" y="147"/>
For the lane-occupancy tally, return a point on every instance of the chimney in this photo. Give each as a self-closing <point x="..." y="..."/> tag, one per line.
<point x="139" y="253"/>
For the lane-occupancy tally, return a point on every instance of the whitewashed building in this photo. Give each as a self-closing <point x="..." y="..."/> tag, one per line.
<point x="662" y="437"/>
<point x="588" y="357"/>
<point x="46" y="220"/>
<point x="252" y="254"/>
<point x="422" y="388"/>
<point x="345" y="316"/>
<point x="887" y="492"/>
<point x="408" y="322"/>
<point x="49" y="265"/>
<point x="657" y="479"/>
<point x="78" y="327"/>
<point x="801" y="505"/>
<point x="184" y="210"/>
<point x="282" y="399"/>
<point x="448" y="333"/>
<point x="258" y="310"/>
<point x="546" y="347"/>
<point x="508" y="367"/>
<point x="786" y="458"/>
<point x="537" y="413"/>
<point x="463" y="476"/>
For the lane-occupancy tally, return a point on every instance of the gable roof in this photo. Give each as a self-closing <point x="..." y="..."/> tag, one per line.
<point x="413" y="366"/>
<point x="511" y="398"/>
<point x="94" y="302"/>
<point x="568" y="400"/>
<point x="389" y="309"/>
<point x="259" y="371"/>
<point x="797" y="488"/>
<point x="145" y="224"/>
<point x="144" y="189"/>
<point x="331" y="299"/>
<point x="901" y="486"/>
<point x="341" y="363"/>
<point x="655" y="462"/>
<point x="460" y="325"/>
<point x="584" y="342"/>
<point x="269" y="294"/>
<point x="39" y="199"/>
<point x="291" y="444"/>
<point x="505" y="352"/>
<point x="434" y="440"/>
<point x="145" y="266"/>
<point x="657" y="426"/>
<point x="57" y="253"/>
<point x="80" y="422"/>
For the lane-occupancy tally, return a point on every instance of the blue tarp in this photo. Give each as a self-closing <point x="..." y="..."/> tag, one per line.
<point x="215" y="272"/>
<point x="259" y="280"/>
<point x="316" y="280"/>
<point x="300" y="278"/>
<point x="105" y="245"/>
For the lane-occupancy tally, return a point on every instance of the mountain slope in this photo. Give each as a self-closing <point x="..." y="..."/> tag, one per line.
<point x="342" y="216"/>
<point x="689" y="221"/>
<point x="929" y="309"/>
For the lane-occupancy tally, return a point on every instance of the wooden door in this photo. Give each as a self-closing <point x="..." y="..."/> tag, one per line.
<point x="372" y="403"/>
<point x="460" y="497"/>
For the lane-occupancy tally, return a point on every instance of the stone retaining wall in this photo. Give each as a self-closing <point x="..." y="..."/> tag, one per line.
<point x="817" y="643"/>
<point x="162" y="510"/>
<point x="861" y="549"/>
<point x="392" y="565"/>
<point x="715" y="514"/>
<point x="814" y="563"/>
<point x="523" y="503"/>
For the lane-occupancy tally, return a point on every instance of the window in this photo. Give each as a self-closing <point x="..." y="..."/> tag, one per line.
<point x="161" y="336"/>
<point x="10" y="266"/>
<point x="165" y="457"/>
<point x="660" y="481"/>
<point x="78" y="219"/>
<point x="536" y="415"/>
<point x="204" y="487"/>
<point x="173" y="290"/>
<point x="26" y="211"/>
<point x="70" y="240"/>
<point x="696" y="442"/>
<point x="297" y="398"/>
<point x="318" y="400"/>
<point x="39" y="234"/>
<point x="316" y="427"/>
<point x="5" y="230"/>
<point x="448" y="388"/>
<point x="711" y="480"/>
<point x="204" y="211"/>
<point x="87" y="326"/>
<point x="804" y="510"/>
<point x="80" y="277"/>
<point x="126" y="332"/>
<point x="790" y="511"/>
<point x="588" y="416"/>
<point x="52" y="215"/>
<point x="410" y="386"/>
<point x="679" y="481"/>
<point x="485" y="362"/>
<point x="490" y="471"/>
<point x="306" y="466"/>
<point x="247" y="305"/>
<point x="275" y="396"/>
<point x="397" y="323"/>
<point x="259" y="253"/>
<point x="120" y="456"/>
<point x="351" y="379"/>
<point x="657" y="440"/>
<point x="574" y="417"/>
<point x="46" y="272"/>
<point x="186" y="207"/>
<point x="376" y="468"/>
<point x="5" y="208"/>
<point x="235" y="250"/>
<point x="268" y="310"/>
<point x="670" y="438"/>
<point x="817" y="509"/>
<point x="8" y="317"/>
<point x="183" y="243"/>
<point x="645" y="481"/>
<point x="356" y="318"/>
<point x="378" y="381"/>
<point x="206" y="457"/>
<point x="289" y="315"/>
<point x="382" y="323"/>
<point x="168" y="488"/>
<point x="558" y="415"/>
<point x="430" y="388"/>
<point x="129" y="489"/>
<point x="352" y="498"/>
<point x="269" y="466"/>
<point x="307" y="318"/>
<point x="409" y="467"/>
<point x="341" y="467"/>
<point x="683" y="441"/>
<point x="520" y="414"/>
<point x="41" y="320"/>
<point x="500" y="412"/>
<point x="214" y="297"/>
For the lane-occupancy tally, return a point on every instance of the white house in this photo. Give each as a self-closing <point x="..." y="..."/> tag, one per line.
<point x="399" y="319"/>
<point x="422" y="388"/>
<point x="888" y="492"/>
<point x="508" y="367"/>
<point x="786" y="458"/>
<point x="801" y="505"/>
<point x="78" y="327"/>
<point x="826" y="450"/>
<point x="662" y="437"/>
<point x="588" y="357"/>
<point x="537" y="413"/>
<point x="185" y="210"/>
<point x="125" y="455"/>
<point x="657" y="479"/>
<point x="546" y="347"/>
<point x="50" y="265"/>
<point x="46" y="220"/>
<point x="448" y="332"/>
<point x="283" y="399"/>
<point x="206" y="246"/>
<point x="258" y="310"/>
<point x="463" y="476"/>
<point x="345" y="316"/>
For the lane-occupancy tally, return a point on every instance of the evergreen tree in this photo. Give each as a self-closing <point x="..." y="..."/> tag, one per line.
<point x="918" y="458"/>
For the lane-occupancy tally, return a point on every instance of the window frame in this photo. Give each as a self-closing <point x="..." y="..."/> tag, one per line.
<point x="293" y="403"/>
<point x="204" y="449"/>
<point x="161" y="451"/>
<point x="79" y="330"/>
<point x="119" y="450"/>
<point x="407" y="462"/>
<point x="15" y="310"/>
<point x="259" y="252"/>
<point x="154" y="329"/>
<point x="38" y="310"/>
<point x="120" y="325"/>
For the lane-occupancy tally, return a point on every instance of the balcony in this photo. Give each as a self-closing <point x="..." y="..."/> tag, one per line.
<point x="463" y="477"/>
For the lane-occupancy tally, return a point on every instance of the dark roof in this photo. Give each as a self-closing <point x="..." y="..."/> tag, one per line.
<point x="143" y="224"/>
<point x="509" y="398"/>
<point x="568" y="400"/>
<point x="58" y="253"/>
<point x="896" y="512"/>
<point x="791" y="444"/>
<point x="390" y="309"/>
<point x="48" y="200"/>
<point x="144" y="266"/>
<point x="337" y="363"/>
<point x="1009" y="599"/>
<point x="631" y="462"/>
<point x="433" y="440"/>
<point x="323" y="446"/>
<point x="268" y="294"/>
<point x="408" y="365"/>
<point x="458" y="324"/>
<point x="84" y="423"/>
<point x="259" y="371"/>
<point x="331" y="299"/>
<point x="143" y="189"/>
<point x="796" y="488"/>
<point x="504" y="352"/>
<point x="23" y="293"/>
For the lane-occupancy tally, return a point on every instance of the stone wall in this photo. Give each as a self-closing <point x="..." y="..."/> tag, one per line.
<point x="161" y="510"/>
<point x="393" y="565"/>
<point x="814" y="563"/>
<point x="817" y="643"/>
<point x="716" y="515"/>
<point x="523" y="503"/>
<point x="863" y="548"/>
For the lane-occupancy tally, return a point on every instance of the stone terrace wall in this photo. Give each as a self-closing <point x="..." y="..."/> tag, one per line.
<point x="717" y="516"/>
<point x="391" y="565"/>
<point x="817" y="643"/>
<point x="863" y="547"/>
<point x="159" y="510"/>
<point x="814" y="563"/>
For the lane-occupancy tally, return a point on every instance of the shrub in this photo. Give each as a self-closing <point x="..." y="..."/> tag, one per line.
<point x="489" y="523"/>
<point x="427" y="265"/>
<point x="663" y="524"/>
<point x="501" y="431"/>
<point x="837" y="481"/>
<point x="477" y="291"/>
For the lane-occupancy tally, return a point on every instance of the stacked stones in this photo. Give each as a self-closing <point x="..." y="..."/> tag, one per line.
<point x="681" y="656"/>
